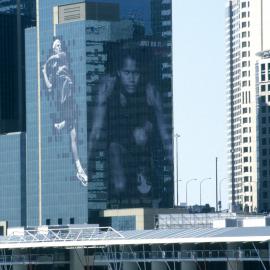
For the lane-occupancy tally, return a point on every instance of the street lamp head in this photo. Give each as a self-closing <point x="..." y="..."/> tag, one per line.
<point x="193" y="179"/>
<point x="204" y="179"/>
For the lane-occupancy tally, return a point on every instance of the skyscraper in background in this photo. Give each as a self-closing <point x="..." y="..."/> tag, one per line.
<point x="263" y="120"/>
<point x="15" y="16"/>
<point x="247" y="34"/>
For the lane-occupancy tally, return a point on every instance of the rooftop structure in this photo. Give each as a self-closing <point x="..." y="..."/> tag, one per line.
<point x="78" y="247"/>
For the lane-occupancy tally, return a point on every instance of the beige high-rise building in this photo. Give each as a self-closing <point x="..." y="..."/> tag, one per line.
<point x="247" y="34"/>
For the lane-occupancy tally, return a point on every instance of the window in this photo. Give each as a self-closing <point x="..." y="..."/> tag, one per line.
<point x="245" y="149"/>
<point x="245" y="120"/>
<point x="245" y="159"/>
<point x="265" y="195"/>
<point x="246" y="198"/>
<point x="245" y="139"/>
<point x="244" y="44"/>
<point x="60" y="221"/>
<point x="244" y="54"/>
<point x="244" y="34"/>
<point x="263" y="87"/>
<point x="244" y="4"/>
<point x="246" y="189"/>
<point x="262" y="72"/>
<point x="263" y="141"/>
<point x="245" y="169"/>
<point x="244" y="24"/>
<point x="72" y="220"/>
<point x="48" y="221"/>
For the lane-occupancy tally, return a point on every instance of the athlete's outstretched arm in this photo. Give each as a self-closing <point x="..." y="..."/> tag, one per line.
<point x="154" y="100"/>
<point x="46" y="79"/>
<point x="105" y="89"/>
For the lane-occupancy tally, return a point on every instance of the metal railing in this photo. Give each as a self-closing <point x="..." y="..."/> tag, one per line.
<point x="62" y="235"/>
<point x="191" y="255"/>
<point x="33" y="259"/>
<point x="184" y="220"/>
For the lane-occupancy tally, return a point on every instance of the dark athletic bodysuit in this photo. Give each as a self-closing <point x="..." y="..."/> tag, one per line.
<point x="62" y="91"/>
<point x="126" y="112"/>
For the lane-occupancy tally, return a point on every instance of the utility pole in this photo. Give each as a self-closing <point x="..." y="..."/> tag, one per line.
<point x="177" y="136"/>
<point x="216" y="184"/>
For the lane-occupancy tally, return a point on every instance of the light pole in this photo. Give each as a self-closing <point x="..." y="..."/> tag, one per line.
<point x="177" y="136"/>
<point x="193" y="179"/>
<point x="220" y="182"/>
<point x="208" y="178"/>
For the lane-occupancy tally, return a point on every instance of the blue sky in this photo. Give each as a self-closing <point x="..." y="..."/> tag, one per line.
<point x="199" y="95"/>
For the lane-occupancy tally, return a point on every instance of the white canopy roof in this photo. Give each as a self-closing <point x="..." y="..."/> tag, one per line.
<point x="98" y="236"/>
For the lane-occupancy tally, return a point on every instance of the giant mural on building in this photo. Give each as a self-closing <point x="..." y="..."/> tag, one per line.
<point x="129" y="107"/>
<point x="60" y="88"/>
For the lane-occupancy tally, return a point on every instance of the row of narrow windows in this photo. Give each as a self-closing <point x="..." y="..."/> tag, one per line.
<point x="60" y="221"/>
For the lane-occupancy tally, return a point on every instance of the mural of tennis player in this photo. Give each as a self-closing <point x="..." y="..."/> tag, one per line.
<point x="131" y="108"/>
<point x="59" y="82"/>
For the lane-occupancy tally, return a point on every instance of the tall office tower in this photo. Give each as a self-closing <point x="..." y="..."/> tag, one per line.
<point x="263" y="132"/>
<point x="247" y="33"/>
<point x="99" y="109"/>
<point x="15" y="16"/>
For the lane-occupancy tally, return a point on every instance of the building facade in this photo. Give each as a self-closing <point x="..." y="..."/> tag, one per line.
<point x="246" y="35"/>
<point x="98" y="109"/>
<point x="15" y="16"/>
<point x="13" y="180"/>
<point x="25" y="7"/>
<point x="263" y="120"/>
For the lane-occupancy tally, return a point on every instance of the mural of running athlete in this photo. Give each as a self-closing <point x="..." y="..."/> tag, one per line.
<point x="59" y="82"/>
<point x="129" y="105"/>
